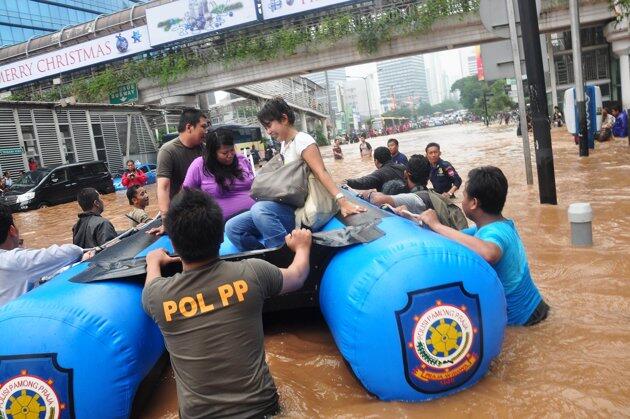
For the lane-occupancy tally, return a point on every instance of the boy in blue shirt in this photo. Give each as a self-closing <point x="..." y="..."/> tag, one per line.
<point x="496" y="240"/>
<point x="620" y="129"/>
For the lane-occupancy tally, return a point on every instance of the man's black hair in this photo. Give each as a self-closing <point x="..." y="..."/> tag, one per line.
<point x="134" y="163"/>
<point x="273" y="110"/>
<point x="419" y="169"/>
<point x="431" y="145"/>
<point x="394" y="187"/>
<point x="489" y="185"/>
<point x="392" y="140"/>
<point x="6" y="221"/>
<point x="190" y="116"/>
<point x="131" y="193"/>
<point x="382" y="155"/>
<point x="86" y="198"/>
<point x="194" y="223"/>
<point x="616" y="107"/>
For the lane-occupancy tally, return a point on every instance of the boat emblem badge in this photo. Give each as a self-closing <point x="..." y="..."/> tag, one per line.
<point x="441" y="339"/>
<point x="35" y="386"/>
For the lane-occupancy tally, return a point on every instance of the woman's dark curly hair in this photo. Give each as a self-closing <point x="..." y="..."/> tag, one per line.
<point x="224" y="175"/>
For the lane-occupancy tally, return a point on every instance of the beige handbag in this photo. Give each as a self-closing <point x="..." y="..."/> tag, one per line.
<point x="280" y="182"/>
<point x="318" y="208"/>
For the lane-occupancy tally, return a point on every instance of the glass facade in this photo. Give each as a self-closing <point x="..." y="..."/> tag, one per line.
<point x="22" y="19"/>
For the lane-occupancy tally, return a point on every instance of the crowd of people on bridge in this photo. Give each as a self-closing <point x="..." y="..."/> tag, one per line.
<point x="203" y="194"/>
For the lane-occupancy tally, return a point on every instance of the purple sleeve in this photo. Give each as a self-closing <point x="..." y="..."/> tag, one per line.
<point x="193" y="175"/>
<point x="248" y="172"/>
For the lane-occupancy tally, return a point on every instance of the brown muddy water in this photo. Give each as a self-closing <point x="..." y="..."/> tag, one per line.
<point x="576" y="363"/>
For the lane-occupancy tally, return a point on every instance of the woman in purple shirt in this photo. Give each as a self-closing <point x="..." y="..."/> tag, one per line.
<point x="222" y="173"/>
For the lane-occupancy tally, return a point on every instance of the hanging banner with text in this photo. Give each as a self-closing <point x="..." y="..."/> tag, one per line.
<point x="278" y="8"/>
<point x="85" y="54"/>
<point x="185" y="18"/>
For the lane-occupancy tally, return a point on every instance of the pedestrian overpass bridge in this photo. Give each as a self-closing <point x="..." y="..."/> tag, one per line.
<point x="451" y="32"/>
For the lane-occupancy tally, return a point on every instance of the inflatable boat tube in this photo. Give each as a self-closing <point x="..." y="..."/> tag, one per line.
<point x="415" y="315"/>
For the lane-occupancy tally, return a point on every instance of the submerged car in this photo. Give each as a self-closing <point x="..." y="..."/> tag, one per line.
<point x="54" y="185"/>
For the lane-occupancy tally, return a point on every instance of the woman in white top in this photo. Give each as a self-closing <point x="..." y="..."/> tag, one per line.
<point x="268" y="222"/>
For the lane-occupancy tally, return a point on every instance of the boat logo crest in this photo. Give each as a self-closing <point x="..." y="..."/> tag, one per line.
<point x="35" y="387"/>
<point x="440" y="337"/>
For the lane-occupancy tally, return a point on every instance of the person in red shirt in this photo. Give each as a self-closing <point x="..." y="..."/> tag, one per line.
<point x="133" y="176"/>
<point x="32" y="165"/>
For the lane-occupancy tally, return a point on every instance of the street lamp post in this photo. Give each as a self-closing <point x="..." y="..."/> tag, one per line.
<point x="367" y="91"/>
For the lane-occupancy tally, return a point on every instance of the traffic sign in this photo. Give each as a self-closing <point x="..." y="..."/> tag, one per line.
<point x="10" y="151"/>
<point x="125" y="94"/>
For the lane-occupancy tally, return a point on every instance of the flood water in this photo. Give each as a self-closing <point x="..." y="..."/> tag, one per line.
<point x="576" y="363"/>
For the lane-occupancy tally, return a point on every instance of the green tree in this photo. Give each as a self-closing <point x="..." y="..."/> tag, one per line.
<point x="402" y="112"/>
<point x="424" y="109"/>
<point x="470" y="91"/>
<point x="447" y="104"/>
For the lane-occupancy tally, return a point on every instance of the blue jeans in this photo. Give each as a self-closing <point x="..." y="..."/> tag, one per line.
<point x="266" y="221"/>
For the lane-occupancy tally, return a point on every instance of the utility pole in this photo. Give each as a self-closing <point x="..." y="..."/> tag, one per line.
<point x="516" y="58"/>
<point x="485" y="106"/>
<point x="367" y="91"/>
<point x="333" y="117"/>
<point x="579" y="80"/>
<point x="538" y="102"/>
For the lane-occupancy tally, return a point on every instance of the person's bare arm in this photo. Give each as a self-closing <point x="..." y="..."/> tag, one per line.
<point x="490" y="252"/>
<point x="313" y="159"/>
<point x="155" y="261"/>
<point x="163" y="194"/>
<point x="164" y="200"/>
<point x="294" y="276"/>
<point x="378" y="198"/>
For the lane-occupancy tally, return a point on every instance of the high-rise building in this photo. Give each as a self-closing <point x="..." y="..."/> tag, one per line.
<point x="21" y="20"/>
<point x="332" y="81"/>
<point x="402" y="82"/>
<point x="334" y="78"/>
<point x="472" y="65"/>
<point x="362" y="96"/>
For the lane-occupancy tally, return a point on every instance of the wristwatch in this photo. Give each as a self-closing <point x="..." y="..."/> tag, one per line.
<point x="339" y="196"/>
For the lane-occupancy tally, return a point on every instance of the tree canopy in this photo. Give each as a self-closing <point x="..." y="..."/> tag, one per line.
<point x="471" y="95"/>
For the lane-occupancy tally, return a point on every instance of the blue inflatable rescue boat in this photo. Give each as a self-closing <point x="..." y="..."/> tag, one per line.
<point x="415" y="315"/>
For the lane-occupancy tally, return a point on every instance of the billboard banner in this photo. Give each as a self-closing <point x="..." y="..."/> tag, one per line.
<point x="106" y="48"/>
<point x="278" y="8"/>
<point x="185" y="18"/>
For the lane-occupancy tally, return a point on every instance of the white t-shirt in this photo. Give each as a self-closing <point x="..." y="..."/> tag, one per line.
<point x="21" y="268"/>
<point x="294" y="150"/>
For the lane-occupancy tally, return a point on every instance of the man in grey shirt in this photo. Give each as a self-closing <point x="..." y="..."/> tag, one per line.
<point x="211" y="313"/>
<point x="175" y="157"/>
<point x="416" y="177"/>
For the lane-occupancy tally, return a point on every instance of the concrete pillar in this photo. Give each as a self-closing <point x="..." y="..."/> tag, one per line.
<point x="202" y="101"/>
<point x="304" y="124"/>
<point x="618" y="34"/>
<point x="552" y="72"/>
<point x="624" y="67"/>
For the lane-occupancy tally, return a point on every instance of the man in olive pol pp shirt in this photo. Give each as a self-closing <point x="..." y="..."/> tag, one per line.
<point x="175" y="157"/>
<point x="211" y="313"/>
